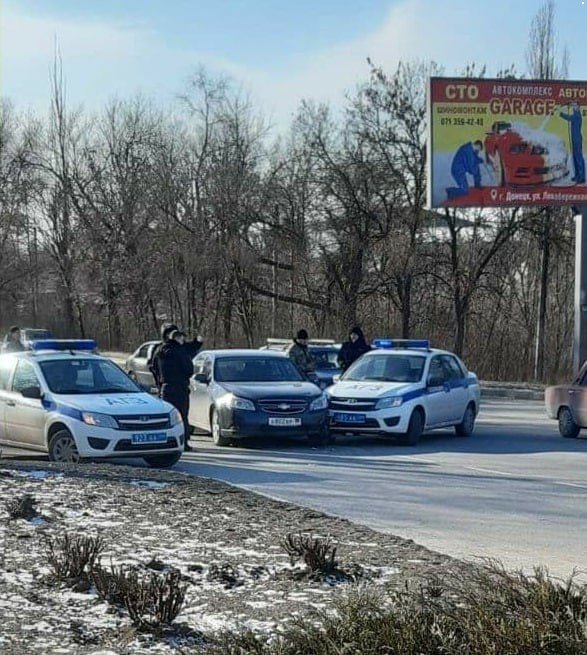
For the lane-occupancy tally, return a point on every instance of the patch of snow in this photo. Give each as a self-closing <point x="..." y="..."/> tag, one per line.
<point x="149" y="484"/>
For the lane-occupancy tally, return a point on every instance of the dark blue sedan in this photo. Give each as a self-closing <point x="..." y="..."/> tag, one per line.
<point x="250" y="393"/>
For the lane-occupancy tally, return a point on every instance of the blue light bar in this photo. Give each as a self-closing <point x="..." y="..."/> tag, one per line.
<point x="64" y="344"/>
<point x="401" y="343"/>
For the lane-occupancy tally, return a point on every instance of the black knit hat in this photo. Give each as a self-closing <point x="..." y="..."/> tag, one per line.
<point x="302" y="334"/>
<point x="166" y="330"/>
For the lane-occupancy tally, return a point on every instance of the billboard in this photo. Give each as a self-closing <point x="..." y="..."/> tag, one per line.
<point x="506" y="143"/>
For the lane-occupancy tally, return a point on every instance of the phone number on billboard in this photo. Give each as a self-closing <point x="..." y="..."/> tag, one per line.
<point x="462" y="121"/>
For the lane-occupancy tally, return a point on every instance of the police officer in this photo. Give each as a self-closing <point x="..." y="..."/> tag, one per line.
<point x="175" y="368"/>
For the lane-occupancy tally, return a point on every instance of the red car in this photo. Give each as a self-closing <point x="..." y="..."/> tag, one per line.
<point x="519" y="161"/>
<point x="568" y="405"/>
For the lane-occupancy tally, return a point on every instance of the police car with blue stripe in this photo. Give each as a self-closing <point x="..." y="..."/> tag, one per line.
<point x="62" y="398"/>
<point x="403" y="388"/>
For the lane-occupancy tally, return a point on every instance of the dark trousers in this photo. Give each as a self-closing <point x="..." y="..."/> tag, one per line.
<point x="180" y="399"/>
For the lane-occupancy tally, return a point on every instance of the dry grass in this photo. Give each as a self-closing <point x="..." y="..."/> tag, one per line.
<point x="492" y="613"/>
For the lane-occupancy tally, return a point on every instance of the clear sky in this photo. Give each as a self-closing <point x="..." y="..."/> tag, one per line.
<point x="281" y="50"/>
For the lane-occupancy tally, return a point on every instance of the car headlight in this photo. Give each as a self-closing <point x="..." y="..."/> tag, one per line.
<point x="175" y="418"/>
<point x="319" y="403"/>
<point x="234" y="402"/>
<point x="387" y="403"/>
<point x="99" y="420"/>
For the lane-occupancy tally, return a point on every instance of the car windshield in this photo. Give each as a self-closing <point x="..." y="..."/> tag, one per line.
<point x="86" y="376"/>
<point x="325" y="359"/>
<point x="387" y="368"/>
<point x="34" y="335"/>
<point x="256" y="369"/>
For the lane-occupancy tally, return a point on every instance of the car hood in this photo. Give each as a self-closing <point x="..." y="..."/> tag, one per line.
<point x="259" y="390"/>
<point x="369" y="389"/>
<point x="114" y="404"/>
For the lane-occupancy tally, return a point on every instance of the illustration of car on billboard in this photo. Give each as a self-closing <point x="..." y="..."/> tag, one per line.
<point x="520" y="155"/>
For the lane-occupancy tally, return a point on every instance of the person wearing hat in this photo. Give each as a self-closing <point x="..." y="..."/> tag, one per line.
<point x="353" y="348"/>
<point x="300" y="355"/>
<point x="153" y="363"/>
<point x="175" y="369"/>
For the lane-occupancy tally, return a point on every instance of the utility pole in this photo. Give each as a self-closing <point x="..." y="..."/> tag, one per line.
<point x="580" y="340"/>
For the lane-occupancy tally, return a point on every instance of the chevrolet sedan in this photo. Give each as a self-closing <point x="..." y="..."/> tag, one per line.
<point x="250" y="393"/>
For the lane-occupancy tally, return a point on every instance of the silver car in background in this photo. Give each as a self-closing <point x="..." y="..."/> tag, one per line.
<point x="136" y="365"/>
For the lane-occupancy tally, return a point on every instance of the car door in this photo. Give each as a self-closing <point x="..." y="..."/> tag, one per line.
<point x="24" y="417"/>
<point x="459" y="394"/>
<point x="577" y="398"/>
<point x="7" y="365"/>
<point x="144" y="376"/>
<point x="438" y="396"/>
<point x="200" y="392"/>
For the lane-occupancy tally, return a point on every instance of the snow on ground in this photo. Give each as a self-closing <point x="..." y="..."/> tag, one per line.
<point x="224" y="541"/>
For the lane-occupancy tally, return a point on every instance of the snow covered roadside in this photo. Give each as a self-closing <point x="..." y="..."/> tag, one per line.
<point x="224" y="541"/>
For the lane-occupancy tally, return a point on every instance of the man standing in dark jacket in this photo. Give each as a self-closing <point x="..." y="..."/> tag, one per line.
<point x="12" y="342"/>
<point x="175" y="368"/>
<point x="353" y="348"/>
<point x="191" y="348"/>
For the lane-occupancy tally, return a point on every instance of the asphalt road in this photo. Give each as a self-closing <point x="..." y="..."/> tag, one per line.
<point x="515" y="490"/>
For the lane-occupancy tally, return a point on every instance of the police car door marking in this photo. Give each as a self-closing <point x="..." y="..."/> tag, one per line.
<point x="126" y="401"/>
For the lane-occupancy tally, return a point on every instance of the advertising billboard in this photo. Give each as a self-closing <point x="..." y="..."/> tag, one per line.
<point x="506" y="143"/>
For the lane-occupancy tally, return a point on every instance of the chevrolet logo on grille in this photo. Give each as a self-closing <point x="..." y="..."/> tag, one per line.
<point x="143" y="419"/>
<point x="283" y="406"/>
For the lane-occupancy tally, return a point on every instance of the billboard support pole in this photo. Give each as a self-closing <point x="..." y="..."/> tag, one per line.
<point x="580" y="340"/>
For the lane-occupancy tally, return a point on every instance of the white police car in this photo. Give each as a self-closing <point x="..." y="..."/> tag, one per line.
<point x="403" y="388"/>
<point x="63" y="399"/>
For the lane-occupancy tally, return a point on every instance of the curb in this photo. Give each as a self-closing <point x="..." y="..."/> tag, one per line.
<point x="512" y="394"/>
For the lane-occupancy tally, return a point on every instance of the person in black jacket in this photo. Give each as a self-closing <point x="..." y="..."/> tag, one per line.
<point x="153" y="363"/>
<point x="12" y="342"/>
<point x="175" y="368"/>
<point x="353" y="348"/>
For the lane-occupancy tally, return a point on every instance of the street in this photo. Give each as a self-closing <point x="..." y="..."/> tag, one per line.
<point x="515" y="490"/>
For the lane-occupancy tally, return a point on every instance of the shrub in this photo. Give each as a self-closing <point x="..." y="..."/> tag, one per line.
<point x="24" y="507"/>
<point x="154" y="601"/>
<point x="114" y="585"/>
<point x="224" y="573"/>
<point x="72" y="557"/>
<point x="316" y="553"/>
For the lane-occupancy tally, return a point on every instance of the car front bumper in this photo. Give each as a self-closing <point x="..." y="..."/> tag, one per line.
<point x="241" y="424"/>
<point x="96" y="443"/>
<point x="380" y="422"/>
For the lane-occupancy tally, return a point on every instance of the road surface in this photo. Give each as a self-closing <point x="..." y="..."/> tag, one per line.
<point x="515" y="490"/>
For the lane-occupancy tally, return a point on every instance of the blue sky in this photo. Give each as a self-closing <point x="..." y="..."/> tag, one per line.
<point x="281" y="50"/>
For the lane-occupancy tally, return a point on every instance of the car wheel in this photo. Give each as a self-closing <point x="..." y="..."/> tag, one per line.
<point x="566" y="424"/>
<point x="217" y="437"/>
<point x="467" y="425"/>
<point x="162" y="461"/>
<point x="62" y="448"/>
<point x="415" y="429"/>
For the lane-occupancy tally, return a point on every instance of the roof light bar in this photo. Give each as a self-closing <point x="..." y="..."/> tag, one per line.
<point x="401" y="343"/>
<point x="64" y="344"/>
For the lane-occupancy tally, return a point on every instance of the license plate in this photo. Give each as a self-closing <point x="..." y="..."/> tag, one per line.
<point x="149" y="437"/>
<point x="285" y="422"/>
<point x="341" y="417"/>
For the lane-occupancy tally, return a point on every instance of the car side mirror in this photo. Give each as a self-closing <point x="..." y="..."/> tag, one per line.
<point x="202" y="378"/>
<point x="34" y="393"/>
<point x="336" y="379"/>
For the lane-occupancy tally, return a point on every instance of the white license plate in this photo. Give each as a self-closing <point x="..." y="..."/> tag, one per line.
<point x="149" y="437"/>
<point x="285" y="422"/>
